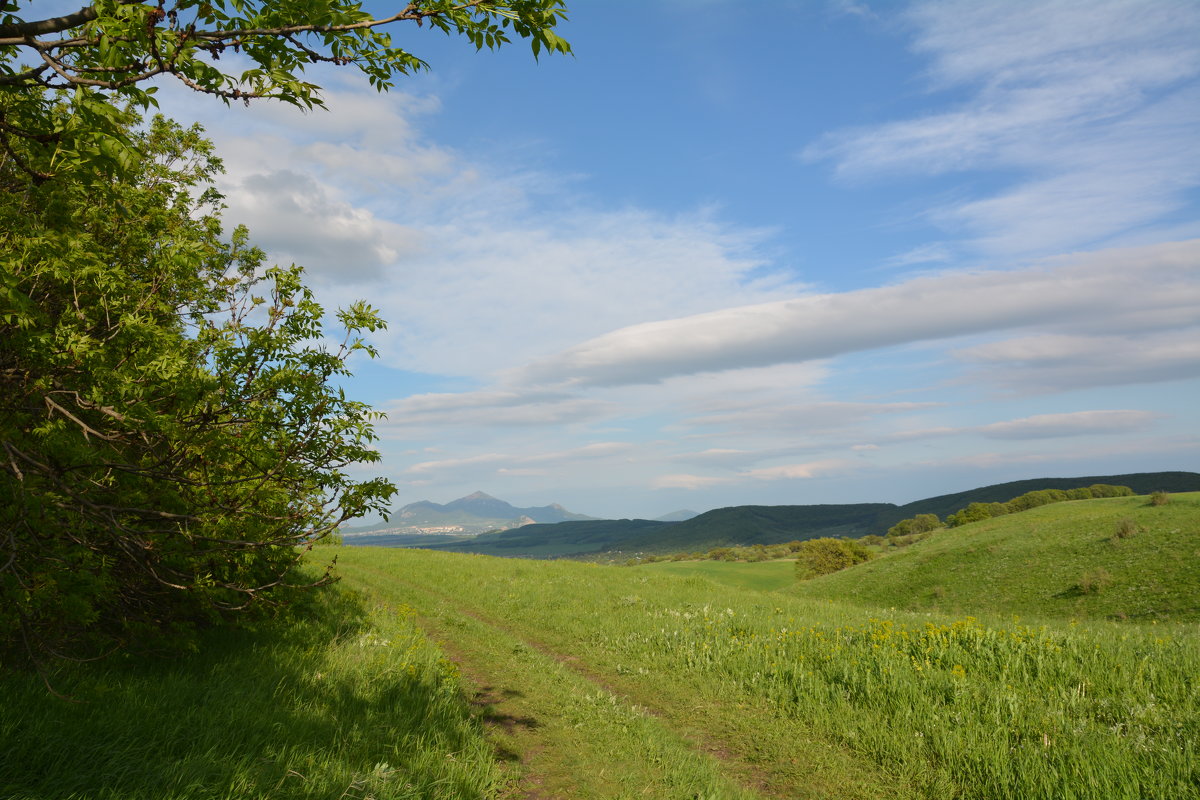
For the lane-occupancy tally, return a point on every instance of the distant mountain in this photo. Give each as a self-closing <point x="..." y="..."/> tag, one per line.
<point x="474" y="514"/>
<point x="736" y="525"/>
<point x="677" y="516"/>
<point x="488" y="507"/>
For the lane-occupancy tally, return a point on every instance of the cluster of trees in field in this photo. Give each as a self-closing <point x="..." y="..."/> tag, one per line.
<point x="172" y="436"/>
<point x="975" y="512"/>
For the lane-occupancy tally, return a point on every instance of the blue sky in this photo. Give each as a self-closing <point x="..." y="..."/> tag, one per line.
<point x="773" y="253"/>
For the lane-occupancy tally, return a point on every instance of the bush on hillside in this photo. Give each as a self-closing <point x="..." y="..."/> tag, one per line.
<point x="825" y="555"/>
<point x="1095" y="581"/>
<point x="1159" y="498"/>
<point x="1126" y="528"/>
<point x="973" y="513"/>
<point x="1108" y="490"/>
<point x="921" y="523"/>
<point x="1041" y="497"/>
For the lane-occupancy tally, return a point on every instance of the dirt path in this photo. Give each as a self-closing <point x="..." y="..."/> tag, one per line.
<point x="564" y="728"/>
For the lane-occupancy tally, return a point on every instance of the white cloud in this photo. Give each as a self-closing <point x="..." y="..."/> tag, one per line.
<point x="686" y="481"/>
<point x="478" y="265"/>
<point x="783" y="419"/>
<point x="1133" y="287"/>
<point x="1085" y="100"/>
<point x="1061" y="362"/>
<point x="812" y="469"/>
<point x="299" y="220"/>
<point x="1087" y="456"/>
<point x="514" y="462"/>
<point x="432" y="415"/>
<point x="1079" y="423"/>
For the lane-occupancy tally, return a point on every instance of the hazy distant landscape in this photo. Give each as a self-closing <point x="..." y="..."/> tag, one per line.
<point x="552" y="531"/>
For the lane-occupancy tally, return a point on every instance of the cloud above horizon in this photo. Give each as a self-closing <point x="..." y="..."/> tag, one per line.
<point x="986" y="257"/>
<point x="1140" y="289"/>
<point x="1086" y="108"/>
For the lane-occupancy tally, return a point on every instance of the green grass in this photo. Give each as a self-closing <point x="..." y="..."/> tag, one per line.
<point x="1036" y="563"/>
<point x="352" y="704"/>
<point x="816" y="698"/>
<point x="763" y="576"/>
<point x="439" y="675"/>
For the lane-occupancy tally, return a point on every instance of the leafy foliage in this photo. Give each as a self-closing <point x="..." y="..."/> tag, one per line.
<point x="921" y="523"/>
<point x="1039" y="497"/>
<point x="105" y="54"/>
<point x="170" y="433"/>
<point x="825" y="555"/>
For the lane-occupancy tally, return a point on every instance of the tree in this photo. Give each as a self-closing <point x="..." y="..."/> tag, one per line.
<point x="171" y="435"/>
<point x="975" y="512"/>
<point x="825" y="555"/>
<point x="106" y="53"/>
<point x="921" y="523"/>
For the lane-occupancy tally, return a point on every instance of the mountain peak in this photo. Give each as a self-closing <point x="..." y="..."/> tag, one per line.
<point x="477" y="496"/>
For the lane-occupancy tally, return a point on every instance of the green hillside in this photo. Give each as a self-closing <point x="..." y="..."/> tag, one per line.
<point x="763" y="576"/>
<point x="1139" y="482"/>
<point x="748" y="525"/>
<point x="1061" y="560"/>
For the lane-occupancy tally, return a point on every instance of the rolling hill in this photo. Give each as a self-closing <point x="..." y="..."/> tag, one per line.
<point x="737" y="525"/>
<point x="1139" y="482"/>
<point x="1065" y="559"/>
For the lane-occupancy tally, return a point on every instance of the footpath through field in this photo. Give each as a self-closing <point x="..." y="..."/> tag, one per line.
<point x="574" y="721"/>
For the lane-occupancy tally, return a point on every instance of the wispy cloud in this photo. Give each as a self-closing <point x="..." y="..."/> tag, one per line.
<point x="1114" y="290"/>
<point x="1054" y="363"/>
<point x="460" y="248"/>
<point x="1084" y="104"/>
<point x="1079" y="423"/>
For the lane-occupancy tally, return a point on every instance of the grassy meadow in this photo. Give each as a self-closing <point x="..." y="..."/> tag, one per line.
<point x="347" y="703"/>
<point x="445" y="675"/>
<point x="763" y="576"/>
<point x="1116" y="558"/>
<point x="824" y="699"/>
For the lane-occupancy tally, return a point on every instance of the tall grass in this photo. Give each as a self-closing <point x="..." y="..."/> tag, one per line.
<point x="993" y="712"/>
<point x="345" y="702"/>
<point x="950" y="707"/>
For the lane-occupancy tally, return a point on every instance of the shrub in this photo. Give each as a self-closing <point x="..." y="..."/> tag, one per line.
<point x="1040" y="497"/>
<point x="1126" y="528"/>
<point x="1107" y="490"/>
<point x="1095" y="581"/>
<point x="825" y="555"/>
<point x="1159" y="498"/>
<point x="973" y="513"/>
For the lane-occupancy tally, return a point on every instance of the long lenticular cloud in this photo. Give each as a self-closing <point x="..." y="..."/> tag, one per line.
<point x="1106" y="291"/>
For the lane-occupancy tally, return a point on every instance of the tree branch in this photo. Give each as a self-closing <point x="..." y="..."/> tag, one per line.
<point x="21" y="32"/>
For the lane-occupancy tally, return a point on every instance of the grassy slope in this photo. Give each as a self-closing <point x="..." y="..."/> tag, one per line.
<point x="350" y="703"/>
<point x="820" y="699"/>
<point x="1032" y="563"/>
<point x="763" y="576"/>
<point x="1139" y="482"/>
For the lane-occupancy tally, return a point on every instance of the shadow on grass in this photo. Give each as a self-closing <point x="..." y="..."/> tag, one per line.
<point x="314" y="705"/>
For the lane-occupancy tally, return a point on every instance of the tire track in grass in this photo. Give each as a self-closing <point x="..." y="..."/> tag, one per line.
<point x="570" y="733"/>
